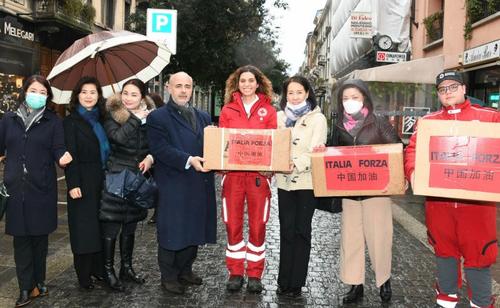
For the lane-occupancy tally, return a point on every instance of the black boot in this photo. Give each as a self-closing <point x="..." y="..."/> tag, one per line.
<point x="354" y="295"/>
<point x="126" y="249"/>
<point x="109" y="262"/>
<point x="24" y="298"/>
<point x="386" y="291"/>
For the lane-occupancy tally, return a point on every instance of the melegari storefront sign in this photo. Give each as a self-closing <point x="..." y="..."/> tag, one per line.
<point x="488" y="51"/>
<point x="14" y="30"/>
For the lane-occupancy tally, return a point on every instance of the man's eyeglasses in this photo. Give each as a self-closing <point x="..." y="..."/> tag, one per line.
<point x="452" y="88"/>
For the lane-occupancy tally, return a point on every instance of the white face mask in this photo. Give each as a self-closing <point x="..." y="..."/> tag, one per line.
<point x="352" y="106"/>
<point x="295" y="107"/>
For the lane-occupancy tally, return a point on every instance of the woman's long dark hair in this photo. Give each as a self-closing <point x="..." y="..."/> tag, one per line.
<point x="139" y="84"/>
<point x="74" y="101"/>
<point x="40" y="79"/>
<point x="311" y="98"/>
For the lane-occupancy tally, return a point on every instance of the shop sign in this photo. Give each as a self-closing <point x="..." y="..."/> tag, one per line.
<point x="11" y="28"/>
<point x="361" y="24"/>
<point x="412" y="114"/>
<point x="482" y="53"/>
<point x="391" y="57"/>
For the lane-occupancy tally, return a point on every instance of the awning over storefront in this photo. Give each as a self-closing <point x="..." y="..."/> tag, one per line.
<point x="422" y="70"/>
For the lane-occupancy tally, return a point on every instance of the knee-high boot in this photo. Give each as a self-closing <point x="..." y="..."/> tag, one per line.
<point x="109" y="262"/>
<point x="126" y="248"/>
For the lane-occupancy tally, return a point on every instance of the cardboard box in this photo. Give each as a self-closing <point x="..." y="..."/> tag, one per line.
<point x="367" y="170"/>
<point x="458" y="159"/>
<point x="247" y="149"/>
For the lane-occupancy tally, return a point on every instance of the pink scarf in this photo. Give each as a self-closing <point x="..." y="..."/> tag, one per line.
<point x="353" y="120"/>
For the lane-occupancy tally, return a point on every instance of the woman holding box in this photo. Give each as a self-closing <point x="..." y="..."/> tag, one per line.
<point x="296" y="199"/>
<point x="364" y="218"/>
<point x="247" y="105"/>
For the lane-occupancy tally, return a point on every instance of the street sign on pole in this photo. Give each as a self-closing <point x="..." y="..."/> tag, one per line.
<point x="162" y="26"/>
<point x="391" y="57"/>
<point x="411" y="115"/>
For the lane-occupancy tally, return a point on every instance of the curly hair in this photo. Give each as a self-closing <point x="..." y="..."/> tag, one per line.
<point x="74" y="101"/>
<point x="264" y="84"/>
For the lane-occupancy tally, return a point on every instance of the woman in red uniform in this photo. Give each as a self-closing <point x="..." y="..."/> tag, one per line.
<point x="247" y="105"/>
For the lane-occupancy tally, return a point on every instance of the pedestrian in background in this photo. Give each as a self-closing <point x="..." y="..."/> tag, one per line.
<point x="126" y="131"/>
<point x="296" y="200"/>
<point x="247" y="102"/>
<point x="33" y="140"/>
<point x="187" y="214"/>
<point x="364" y="219"/>
<point x="158" y="101"/>
<point x="459" y="228"/>
<point x="87" y="143"/>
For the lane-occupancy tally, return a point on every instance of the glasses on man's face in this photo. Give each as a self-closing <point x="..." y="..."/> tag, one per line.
<point x="452" y="88"/>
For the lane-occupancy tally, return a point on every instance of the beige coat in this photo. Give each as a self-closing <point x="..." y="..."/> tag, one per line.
<point x="309" y="131"/>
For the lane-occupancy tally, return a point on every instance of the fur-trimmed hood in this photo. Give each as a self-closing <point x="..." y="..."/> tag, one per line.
<point x="117" y="110"/>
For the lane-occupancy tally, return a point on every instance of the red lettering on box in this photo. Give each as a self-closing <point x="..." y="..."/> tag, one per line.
<point x="248" y="149"/>
<point x="463" y="162"/>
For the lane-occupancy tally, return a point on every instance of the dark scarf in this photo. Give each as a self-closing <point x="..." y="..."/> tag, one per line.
<point x="292" y="115"/>
<point x="92" y="117"/>
<point x="187" y="112"/>
<point x="28" y="115"/>
<point x="354" y="122"/>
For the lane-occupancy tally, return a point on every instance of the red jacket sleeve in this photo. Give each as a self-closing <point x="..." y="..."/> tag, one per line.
<point x="273" y="119"/>
<point x="223" y="118"/>
<point x="409" y="156"/>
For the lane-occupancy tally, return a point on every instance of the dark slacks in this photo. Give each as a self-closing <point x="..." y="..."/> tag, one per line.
<point x="296" y="209"/>
<point x="175" y="263"/>
<point x="111" y="229"/>
<point x="87" y="265"/>
<point x="30" y="256"/>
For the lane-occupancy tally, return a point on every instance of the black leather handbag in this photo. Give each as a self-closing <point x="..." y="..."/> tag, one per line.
<point x="329" y="204"/>
<point x="3" y="199"/>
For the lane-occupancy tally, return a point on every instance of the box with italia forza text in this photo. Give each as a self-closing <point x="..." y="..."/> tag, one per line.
<point x="458" y="159"/>
<point x="246" y="149"/>
<point x="365" y="170"/>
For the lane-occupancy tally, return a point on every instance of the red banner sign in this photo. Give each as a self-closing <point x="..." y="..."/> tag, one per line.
<point x="463" y="162"/>
<point x="250" y="149"/>
<point x="357" y="169"/>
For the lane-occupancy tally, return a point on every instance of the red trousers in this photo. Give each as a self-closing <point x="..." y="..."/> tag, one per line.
<point x="463" y="230"/>
<point x="255" y="189"/>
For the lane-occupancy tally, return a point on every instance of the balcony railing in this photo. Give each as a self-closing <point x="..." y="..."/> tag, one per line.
<point x="72" y="12"/>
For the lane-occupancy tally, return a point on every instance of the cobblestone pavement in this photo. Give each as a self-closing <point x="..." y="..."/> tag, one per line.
<point x="412" y="279"/>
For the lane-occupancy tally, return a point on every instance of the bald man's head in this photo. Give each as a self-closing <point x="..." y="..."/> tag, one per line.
<point x="180" y="87"/>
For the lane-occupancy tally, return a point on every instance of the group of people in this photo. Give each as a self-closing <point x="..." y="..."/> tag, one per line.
<point x="129" y="132"/>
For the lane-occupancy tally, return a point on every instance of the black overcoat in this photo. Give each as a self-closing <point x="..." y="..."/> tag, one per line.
<point x="186" y="203"/>
<point x="30" y="172"/>
<point x="85" y="172"/>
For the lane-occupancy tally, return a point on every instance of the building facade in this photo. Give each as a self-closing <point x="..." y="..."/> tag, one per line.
<point x="33" y="33"/>
<point x="467" y="35"/>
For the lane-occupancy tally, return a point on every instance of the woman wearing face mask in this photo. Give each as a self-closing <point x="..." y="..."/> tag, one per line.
<point x="296" y="199"/>
<point x="364" y="219"/>
<point x="33" y="140"/>
<point x="87" y="142"/>
<point x="126" y="131"/>
<point x="247" y="105"/>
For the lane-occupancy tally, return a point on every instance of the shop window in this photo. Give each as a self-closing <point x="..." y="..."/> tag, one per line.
<point x="10" y="88"/>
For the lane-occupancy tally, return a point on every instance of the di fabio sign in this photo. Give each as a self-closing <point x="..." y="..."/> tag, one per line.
<point x="162" y="26"/>
<point x="390" y="57"/>
<point x="458" y="159"/>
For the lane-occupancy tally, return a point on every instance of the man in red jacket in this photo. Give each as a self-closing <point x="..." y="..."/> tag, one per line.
<point x="459" y="228"/>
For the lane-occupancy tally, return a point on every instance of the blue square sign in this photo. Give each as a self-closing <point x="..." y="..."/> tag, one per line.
<point x="162" y="22"/>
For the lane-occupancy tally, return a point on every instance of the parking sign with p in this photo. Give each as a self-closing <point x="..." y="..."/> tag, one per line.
<point x="162" y="26"/>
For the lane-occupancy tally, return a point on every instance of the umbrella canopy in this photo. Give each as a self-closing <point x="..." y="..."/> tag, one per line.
<point x="112" y="57"/>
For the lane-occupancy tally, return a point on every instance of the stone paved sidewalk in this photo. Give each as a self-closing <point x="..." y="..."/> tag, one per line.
<point x="413" y="272"/>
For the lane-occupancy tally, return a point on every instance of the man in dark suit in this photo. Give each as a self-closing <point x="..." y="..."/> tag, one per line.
<point x="186" y="205"/>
